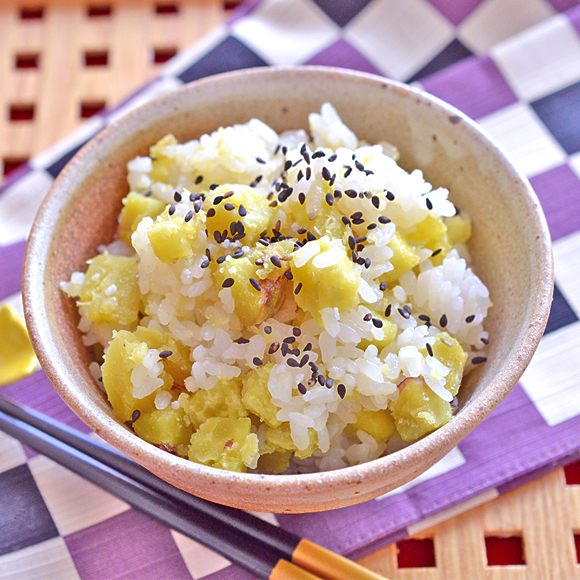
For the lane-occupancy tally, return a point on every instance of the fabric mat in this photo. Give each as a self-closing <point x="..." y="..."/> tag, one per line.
<point x="513" y="66"/>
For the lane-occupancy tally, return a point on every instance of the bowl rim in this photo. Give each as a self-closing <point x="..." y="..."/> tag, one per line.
<point x="33" y="295"/>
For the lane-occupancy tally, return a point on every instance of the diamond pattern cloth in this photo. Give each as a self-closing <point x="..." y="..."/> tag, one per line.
<point x="513" y="66"/>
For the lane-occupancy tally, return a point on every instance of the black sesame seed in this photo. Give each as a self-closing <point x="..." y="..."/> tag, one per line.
<point x="292" y="362"/>
<point x="424" y="318"/>
<point x="298" y="288"/>
<point x="289" y="339"/>
<point x="242" y="211"/>
<point x="197" y="206"/>
<point x="351" y="242"/>
<point x="255" y="284"/>
<point x="368" y="316"/>
<point x="177" y="196"/>
<point x="361" y="261"/>
<point x="436" y="252"/>
<point x="276" y="261"/>
<point x="228" y="283"/>
<point x="348" y="171"/>
<point x="358" y="222"/>
<point x="218" y="199"/>
<point x="304" y="360"/>
<point x="210" y="212"/>
<point x="295" y="352"/>
<point x="221" y="259"/>
<point x="264" y="242"/>
<point x="273" y="347"/>
<point x="360" y="248"/>
<point x="356" y="215"/>
<point x="308" y="173"/>
<point x="198" y="179"/>
<point x="296" y="331"/>
<point x="345" y="220"/>
<point x="478" y="360"/>
<point x="165" y="353"/>
<point x="429" y="349"/>
<point x="329" y="383"/>
<point x="333" y="157"/>
<point x="388" y="310"/>
<point x="367" y="263"/>
<point x="354" y="256"/>
<point x="403" y="313"/>
<point x="382" y="286"/>
<point x="213" y="186"/>
<point x="371" y="226"/>
<point x="429" y="204"/>
<point x="304" y="153"/>
<point x="377" y="323"/>
<point x="136" y="414"/>
<point x="390" y="195"/>
<point x="171" y="209"/>
<point x="277" y="149"/>
<point x="307" y="347"/>
<point x="470" y="318"/>
<point x="301" y="198"/>
<point x="301" y="389"/>
<point x="257" y="361"/>
<point x="260" y="160"/>
<point x="384" y="219"/>
<point x="229" y="206"/>
<point x="375" y="200"/>
<point x="443" y="321"/>
<point x="205" y="263"/>
<point x="359" y="165"/>
<point x="310" y="236"/>
<point x="332" y="180"/>
<point x="318" y="154"/>
<point x="326" y="174"/>
<point x="341" y="390"/>
<point x="361" y="240"/>
<point x="188" y="216"/>
<point x="299" y="175"/>
<point x="407" y="307"/>
<point x="329" y="198"/>
<point x="148" y="194"/>
<point x="351" y="193"/>
<point x="321" y="380"/>
<point x="218" y="237"/>
<point x="484" y="340"/>
<point x="288" y="275"/>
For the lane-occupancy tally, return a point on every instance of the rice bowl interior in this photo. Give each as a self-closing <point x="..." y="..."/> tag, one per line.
<point x="452" y="154"/>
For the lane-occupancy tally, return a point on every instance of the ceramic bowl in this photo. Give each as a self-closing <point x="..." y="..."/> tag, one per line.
<point x="510" y="249"/>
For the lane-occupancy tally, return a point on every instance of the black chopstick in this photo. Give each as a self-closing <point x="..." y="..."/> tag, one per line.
<point x="240" y="537"/>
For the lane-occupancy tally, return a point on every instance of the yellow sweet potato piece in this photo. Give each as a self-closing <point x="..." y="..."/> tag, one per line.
<point x="453" y="357"/>
<point x="167" y="427"/>
<point x="404" y="258"/>
<point x="334" y="286"/>
<point x="379" y="424"/>
<point x="418" y="410"/>
<point x="135" y="208"/>
<point x="223" y="400"/>
<point x="226" y="443"/>
<point x="111" y="289"/>
<point x="280" y="439"/>
<point x="256" y="396"/>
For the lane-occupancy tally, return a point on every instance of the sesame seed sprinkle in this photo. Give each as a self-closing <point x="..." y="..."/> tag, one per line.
<point x="341" y="390"/>
<point x="484" y="340"/>
<point x="428" y="203"/>
<point x="329" y="198"/>
<point x="296" y="331"/>
<point x="177" y="196"/>
<point x="292" y="362"/>
<point x="229" y="206"/>
<point x="171" y="209"/>
<point x="198" y="179"/>
<point x="351" y="193"/>
<point x="210" y="212"/>
<point x="276" y="261"/>
<point x="298" y="288"/>
<point x="135" y="415"/>
<point x="470" y="318"/>
<point x="403" y="313"/>
<point x="377" y="323"/>
<point x="204" y="264"/>
<point x="255" y="284"/>
<point x="478" y="360"/>
<point x="390" y="195"/>
<point x="384" y="219"/>
<point x="257" y="361"/>
<point x="436" y="252"/>
<point x="367" y="317"/>
<point x="301" y="389"/>
<point x="388" y="310"/>
<point x="165" y="353"/>
<point x="188" y="216"/>
<point x="443" y="321"/>
<point x="273" y="347"/>
<point x="288" y="275"/>
<point x="228" y="283"/>
<point x="382" y="286"/>
<point x="429" y="349"/>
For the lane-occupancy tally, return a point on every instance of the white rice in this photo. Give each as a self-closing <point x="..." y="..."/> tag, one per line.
<point x="181" y="298"/>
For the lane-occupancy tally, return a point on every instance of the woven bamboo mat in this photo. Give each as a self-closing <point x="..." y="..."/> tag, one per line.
<point x="63" y="60"/>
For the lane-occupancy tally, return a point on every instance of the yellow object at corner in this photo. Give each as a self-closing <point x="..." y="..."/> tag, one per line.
<point x="17" y="358"/>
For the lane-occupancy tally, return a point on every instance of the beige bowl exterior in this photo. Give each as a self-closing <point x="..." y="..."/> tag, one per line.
<point x="510" y="248"/>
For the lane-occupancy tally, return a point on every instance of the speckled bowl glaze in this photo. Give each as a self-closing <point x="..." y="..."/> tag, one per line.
<point x="510" y="248"/>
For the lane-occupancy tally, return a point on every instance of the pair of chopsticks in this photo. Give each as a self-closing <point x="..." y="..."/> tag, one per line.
<point x="246" y="540"/>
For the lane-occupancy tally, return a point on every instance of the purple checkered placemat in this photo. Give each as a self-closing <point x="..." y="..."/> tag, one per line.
<point x="513" y="66"/>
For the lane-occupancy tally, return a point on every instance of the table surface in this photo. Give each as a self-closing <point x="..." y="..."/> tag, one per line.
<point x="63" y="60"/>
